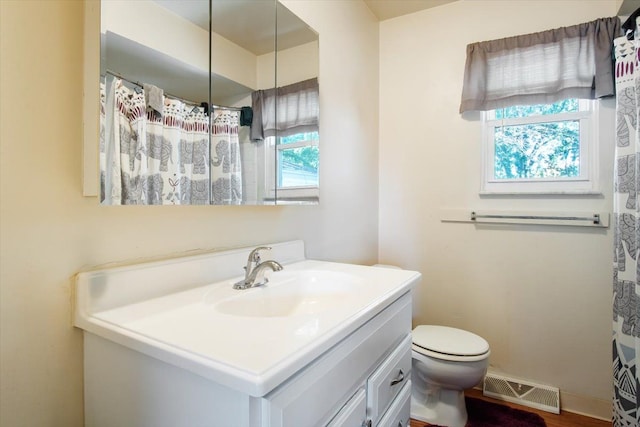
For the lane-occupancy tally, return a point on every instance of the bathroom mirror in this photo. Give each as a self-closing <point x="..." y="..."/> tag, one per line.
<point x="207" y="102"/>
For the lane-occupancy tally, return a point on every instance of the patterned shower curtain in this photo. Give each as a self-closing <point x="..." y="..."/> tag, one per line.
<point x="626" y="290"/>
<point x="150" y="158"/>
<point x="226" y="170"/>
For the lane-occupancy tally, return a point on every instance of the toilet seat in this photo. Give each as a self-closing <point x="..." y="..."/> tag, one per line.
<point x="445" y="343"/>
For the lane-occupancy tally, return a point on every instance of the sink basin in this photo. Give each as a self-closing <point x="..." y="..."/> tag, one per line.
<point x="185" y="312"/>
<point x="292" y="293"/>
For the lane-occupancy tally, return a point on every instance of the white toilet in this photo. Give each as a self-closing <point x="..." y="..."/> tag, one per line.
<point x="445" y="362"/>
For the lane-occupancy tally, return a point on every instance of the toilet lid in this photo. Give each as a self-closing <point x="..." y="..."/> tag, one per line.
<point x="449" y="341"/>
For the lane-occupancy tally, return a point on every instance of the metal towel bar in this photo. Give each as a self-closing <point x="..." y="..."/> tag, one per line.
<point x="595" y="218"/>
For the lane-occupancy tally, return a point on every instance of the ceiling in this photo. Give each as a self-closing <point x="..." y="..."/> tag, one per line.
<point x="247" y="22"/>
<point x="382" y="9"/>
<point x="387" y="9"/>
<point x="628" y="7"/>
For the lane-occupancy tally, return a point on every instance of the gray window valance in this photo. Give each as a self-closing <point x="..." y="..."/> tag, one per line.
<point x="296" y="106"/>
<point x="541" y="68"/>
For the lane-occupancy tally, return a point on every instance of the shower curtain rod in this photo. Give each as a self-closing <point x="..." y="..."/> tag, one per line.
<point x="186" y="101"/>
<point x="223" y="107"/>
<point x="121" y="77"/>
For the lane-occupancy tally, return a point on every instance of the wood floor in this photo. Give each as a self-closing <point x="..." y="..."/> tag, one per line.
<point x="565" y="419"/>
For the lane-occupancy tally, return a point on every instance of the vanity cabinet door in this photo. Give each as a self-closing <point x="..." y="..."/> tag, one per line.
<point x="387" y="381"/>
<point x="354" y="412"/>
<point x="399" y="412"/>
<point x="318" y="392"/>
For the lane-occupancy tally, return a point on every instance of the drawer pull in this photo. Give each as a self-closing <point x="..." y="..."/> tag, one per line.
<point x="398" y="379"/>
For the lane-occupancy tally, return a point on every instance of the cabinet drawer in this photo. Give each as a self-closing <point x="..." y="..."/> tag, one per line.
<point x="399" y="412"/>
<point x="387" y="381"/>
<point x="353" y="413"/>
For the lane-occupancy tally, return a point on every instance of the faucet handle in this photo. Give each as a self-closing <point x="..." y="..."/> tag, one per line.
<point x="255" y="254"/>
<point x="254" y="259"/>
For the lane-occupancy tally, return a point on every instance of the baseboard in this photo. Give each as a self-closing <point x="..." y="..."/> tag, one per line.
<point x="601" y="409"/>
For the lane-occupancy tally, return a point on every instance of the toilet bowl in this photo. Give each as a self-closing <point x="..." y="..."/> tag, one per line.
<point x="445" y="362"/>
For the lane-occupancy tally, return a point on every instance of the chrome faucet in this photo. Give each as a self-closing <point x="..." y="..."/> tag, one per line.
<point x="254" y="268"/>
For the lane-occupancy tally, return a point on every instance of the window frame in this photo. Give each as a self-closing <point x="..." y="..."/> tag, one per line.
<point x="586" y="183"/>
<point x="272" y="171"/>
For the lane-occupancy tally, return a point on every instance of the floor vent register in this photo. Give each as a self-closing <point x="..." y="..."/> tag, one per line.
<point x="523" y="393"/>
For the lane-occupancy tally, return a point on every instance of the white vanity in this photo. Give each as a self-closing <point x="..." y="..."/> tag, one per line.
<point x="171" y="343"/>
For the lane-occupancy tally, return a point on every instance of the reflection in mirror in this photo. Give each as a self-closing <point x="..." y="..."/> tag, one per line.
<point x="154" y="131"/>
<point x="186" y="113"/>
<point x="243" y="31"/>
<point x="296" y="142"/>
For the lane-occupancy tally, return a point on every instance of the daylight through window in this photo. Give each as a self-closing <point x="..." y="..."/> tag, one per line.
<point x="543" y="148"/>
<point x="298" y="160"/>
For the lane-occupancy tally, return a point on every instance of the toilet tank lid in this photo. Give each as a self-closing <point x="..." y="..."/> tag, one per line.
<point x="446" y="340"/>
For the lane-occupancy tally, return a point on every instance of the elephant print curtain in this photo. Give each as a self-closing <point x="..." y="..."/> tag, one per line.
<point x="148" y="157"/>
<point x="226" y="170"/>
<point x="626" y="331"/>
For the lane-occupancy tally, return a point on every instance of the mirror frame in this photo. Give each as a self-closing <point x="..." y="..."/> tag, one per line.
<point x="91" y="100"/>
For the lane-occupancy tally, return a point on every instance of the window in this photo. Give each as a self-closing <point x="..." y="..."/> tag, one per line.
<point x="544" y="148"/>
<point x="286" y="118"/>
<point x="297" y="161"/>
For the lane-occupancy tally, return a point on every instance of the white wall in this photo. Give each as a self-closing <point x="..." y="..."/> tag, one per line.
<point x="48" y="231"/>
<point x="540" y="295"/>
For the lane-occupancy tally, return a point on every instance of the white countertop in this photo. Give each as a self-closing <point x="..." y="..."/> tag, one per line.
<point x="251" y="354"/>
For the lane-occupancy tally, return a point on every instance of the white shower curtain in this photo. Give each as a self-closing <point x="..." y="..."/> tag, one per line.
<point x="153" y="159"/>
<point x="626" y="292"/>
<point x="226" y="170"/>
